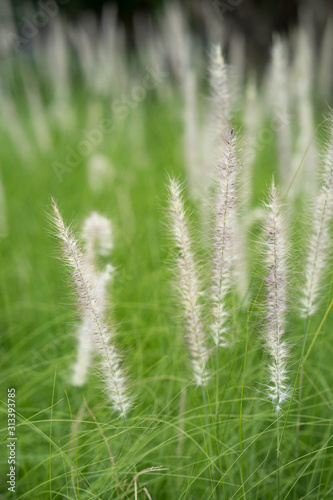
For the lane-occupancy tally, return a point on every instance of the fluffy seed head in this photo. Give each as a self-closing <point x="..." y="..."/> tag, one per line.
<point x="276" y="303"/>
<point x="97" y="234"/>
<point x="189" y="285"/>
<point x="85" y="351"/>
<point x="319" y="245"/>
<point x="89" y="294"/>
<point x="280" y="104"/>
<point x="100" y="172"/>
<point x="220" y="91"/>
<point x="224" y="224"/>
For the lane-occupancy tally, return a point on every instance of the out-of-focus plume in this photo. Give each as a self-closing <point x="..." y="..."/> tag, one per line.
<point x="320" y="241"/>
<point x="326" y="60"/>
<point x="220" y="93"/>
<point x="97" y="237"/>
<point x="100" y="172"/>
<point x="302" y="84"/>
<point x="192" y="135"/>
<point x="253" y="118"/>
<point x="279" y="100"/>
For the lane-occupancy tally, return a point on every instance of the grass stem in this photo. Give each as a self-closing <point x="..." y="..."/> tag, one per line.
<point x="204" y="399"/>
<point x="278" y="453"/>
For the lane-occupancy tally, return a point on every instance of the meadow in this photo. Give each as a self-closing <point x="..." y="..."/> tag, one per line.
<point x="178" y="441"/>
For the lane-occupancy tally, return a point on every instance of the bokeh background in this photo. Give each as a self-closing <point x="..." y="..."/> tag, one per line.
<point x="254" y="20"/>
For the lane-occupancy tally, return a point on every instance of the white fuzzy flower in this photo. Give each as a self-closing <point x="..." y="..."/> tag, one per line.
<point x="192" y="143"/>
<point x="276" y="251"/>
<point x="100" y="172"/>
<point x="220" y="92"/>
<point x="90" y="295"/>
<point x="280" y="104"/>
<point x="85" y="351"/>
<point x="305" y="151"/>
<point x="319" y="245"/>
<point x="189" y="285"/>
<point x="97" y="234"/>
<point x="86" y="346"/>
<point x="224" y="225"/>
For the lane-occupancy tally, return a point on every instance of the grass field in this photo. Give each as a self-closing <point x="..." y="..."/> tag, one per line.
<point x="70" y="443"/>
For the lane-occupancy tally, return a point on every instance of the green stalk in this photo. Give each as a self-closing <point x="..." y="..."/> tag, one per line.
<point x="278" y="453"/>
<point x="300" y="385"/>
<point x="302" y="358"/>
<point x="217" y="388"/>
<point x="204" y="399"/>
<point x="128" y="439"/>
<point x="217" y="416"/>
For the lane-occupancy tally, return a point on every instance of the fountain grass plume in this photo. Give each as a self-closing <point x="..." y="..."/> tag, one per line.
<point x="220" y="92"/>
<point x="89" y="295"/>
<point x="276" y="251"/>
<point x="189" y="284"/>
<point x="97" y="237"/>
<point x="319" y="245"/>
<point x="280" y="106"/>
<point x="85" y="352"/>
<point x="223" y="237"/>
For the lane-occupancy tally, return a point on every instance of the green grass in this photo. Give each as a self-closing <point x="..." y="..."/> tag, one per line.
<point x="61" y="450"/>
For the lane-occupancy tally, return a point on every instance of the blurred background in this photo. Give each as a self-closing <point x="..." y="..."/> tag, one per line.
<point x="254" y="21"/>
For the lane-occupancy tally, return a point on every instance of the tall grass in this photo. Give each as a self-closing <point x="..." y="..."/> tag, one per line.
<point x="176" y="441"/>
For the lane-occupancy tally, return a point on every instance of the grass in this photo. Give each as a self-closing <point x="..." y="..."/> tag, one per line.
<point x="70" y="444"/>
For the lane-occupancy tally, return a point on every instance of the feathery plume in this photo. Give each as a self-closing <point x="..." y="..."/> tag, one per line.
<point x="85" y="351"/>
<point x="191" y="136"/>
<point x="240" y="260"/>
<point x="220" y="92"/>
<point x="89" y="295"/>
<point x="325" y="60"/>
<point x="276" y="302"/>
<point x="280" y="103"/>
<point x="225" y="215"/>
<point x="303" y="88"/>
<point x="252" y="120"/>
<point x="100" y="172"/>
<point x="237" y="58"/>
<point x="197" y="139"/>
<point x="318" y="251"/>
<point x="97" y="236"/>
<point x="175" y="40"/>
<point x="189" y="284"/>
